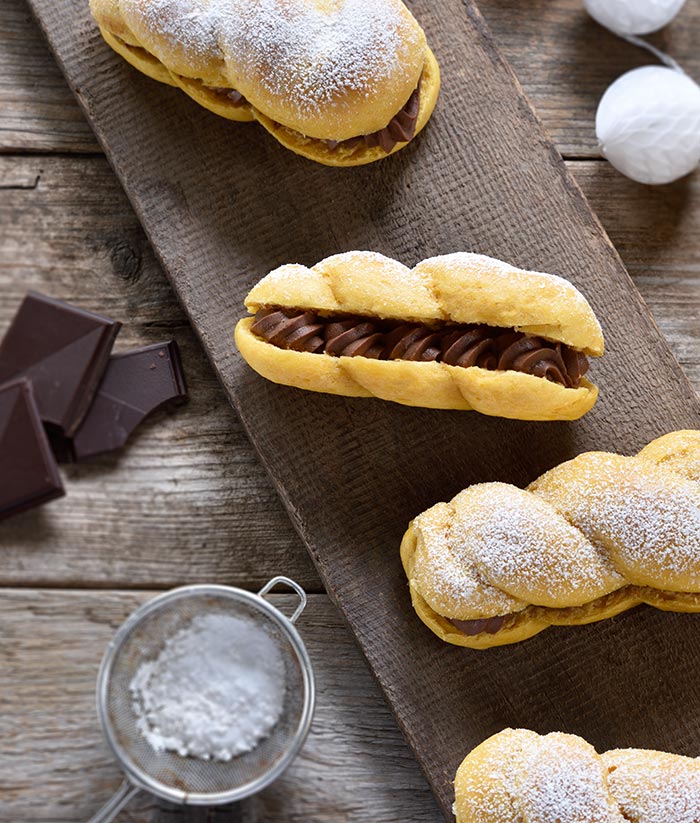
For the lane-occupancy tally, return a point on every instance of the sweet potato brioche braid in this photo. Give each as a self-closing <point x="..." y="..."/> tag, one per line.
<point x="518" y="776"/>
<point x="452" y="293"/>
<point x="589" y="539"/>
<point x="342" y="83"/>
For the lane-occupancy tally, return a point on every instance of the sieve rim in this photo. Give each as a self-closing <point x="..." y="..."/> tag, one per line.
<point x="140" y="778"/>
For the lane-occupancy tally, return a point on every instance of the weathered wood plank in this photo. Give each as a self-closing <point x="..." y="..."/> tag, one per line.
<point x="657" y="232"/>
<point x="213" y="199"/>
<point x="135" y="518"/>
<point x="563" y="59"/>
<point x="55" y="767"/>
<point x="68" y="229"/>
<point x="37" y="110"/>
<point x="668" y="276"/>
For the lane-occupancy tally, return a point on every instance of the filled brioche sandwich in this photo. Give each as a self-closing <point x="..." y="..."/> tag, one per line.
<point x="519" y="776"/>
<point x="461" y="331"/>
<point x="341" y="82"/>
<point x="591" y="538"/>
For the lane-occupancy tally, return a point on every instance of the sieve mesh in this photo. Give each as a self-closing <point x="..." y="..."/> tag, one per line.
<point x="188" y="779"/>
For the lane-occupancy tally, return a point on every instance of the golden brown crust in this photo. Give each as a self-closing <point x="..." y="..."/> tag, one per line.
<point x="213" y="100"/>
<point x="344" y="156"/>
<point x="427" y="385"/>
<point x="678" y="451"/>
<point x="461" y="288"/>
<point x="370" y="284"/>
<point x="327" y="82"/>
<point x="588" y="540"/>
<point x="145" y="62"/>
<point x="518" y="775"/>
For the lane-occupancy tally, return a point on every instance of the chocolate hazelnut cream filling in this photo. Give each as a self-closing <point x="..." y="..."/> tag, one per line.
<point x="400" y="129"/>
<point x="496" y="624"/>
<point x="487" y="347"/>
<point x="566" y="616"/>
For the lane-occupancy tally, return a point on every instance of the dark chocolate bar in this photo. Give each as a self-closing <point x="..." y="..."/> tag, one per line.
<point x="64" y="351"/>
<point x="135" y="384"/>
<point x="28" y="471"/>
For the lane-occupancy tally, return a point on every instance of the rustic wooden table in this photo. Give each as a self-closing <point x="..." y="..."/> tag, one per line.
<point x="187" y="501"/>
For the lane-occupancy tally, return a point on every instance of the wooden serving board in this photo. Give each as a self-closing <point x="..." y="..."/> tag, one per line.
<point x="223" y="203"/>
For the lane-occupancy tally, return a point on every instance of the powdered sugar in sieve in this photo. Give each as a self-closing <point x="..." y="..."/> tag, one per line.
<point x="215" y="690"/>
<point x="205" y="695"/>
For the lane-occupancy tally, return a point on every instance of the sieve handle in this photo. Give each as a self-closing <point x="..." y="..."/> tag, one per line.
<point x="113" y="806"/>
<point x="276" y="581"/>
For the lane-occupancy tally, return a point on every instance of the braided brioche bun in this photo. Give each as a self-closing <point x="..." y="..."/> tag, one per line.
<point x="309" y="71"/>
<point x="441" y="292"/>
<point x="678" y="451"/>
<point x="591" y="538"/>
<point x="139" y="58"/>
<point x="518" y="775"/>
<point x="350" y="155"/>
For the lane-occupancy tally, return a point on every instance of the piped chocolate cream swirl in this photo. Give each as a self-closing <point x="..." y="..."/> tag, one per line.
<point x="400" y="129"/>
<point x="487" y="347"/>
<point x="488" y="625"/>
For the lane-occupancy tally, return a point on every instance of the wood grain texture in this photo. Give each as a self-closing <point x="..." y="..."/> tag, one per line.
<point x="37" y="111"/>
<point x="657" y="232"/>
<point x="133" y="518"/>
<point x="566" y="61"/>
<point x="55" y="767"/>
<point x="58" y="236"/>
<point x="213" y="196"/>
<point x="562" y="58"/>
<point x="68" y="230"/>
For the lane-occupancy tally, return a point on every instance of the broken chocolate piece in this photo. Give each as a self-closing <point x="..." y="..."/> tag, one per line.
<point x="135" y="384"/>
<point x="63" y="350"/>
<point x="28" y="471"/>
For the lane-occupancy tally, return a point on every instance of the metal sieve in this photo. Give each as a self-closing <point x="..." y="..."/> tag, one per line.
<point x="189" y="780"/>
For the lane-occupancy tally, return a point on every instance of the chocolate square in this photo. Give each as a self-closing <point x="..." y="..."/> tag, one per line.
<point x="28" y="471"/>
<point x="135" y="384"/>
<point x="63" y="350"/>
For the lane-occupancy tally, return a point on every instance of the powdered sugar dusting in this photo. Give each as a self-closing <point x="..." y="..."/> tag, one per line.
<point x="655" y="787"/>
<point x="678" y="451"/>
<point x="446" y="575"/>
<point x="482" y="265"/>
<point x="189" y="24"/>
<point x="520" y="545"/>
<point x="645" y="517"/>
<point x="488" y="782"/>
<point x="517" y="776"/>
<point x="215" y="690"/>
<point x="310" y="54"/>
<point x="566" y="783"/>
<point x="313" y="57"/>
<point x="476" y="288"/>
<point x="583" y="530"/>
